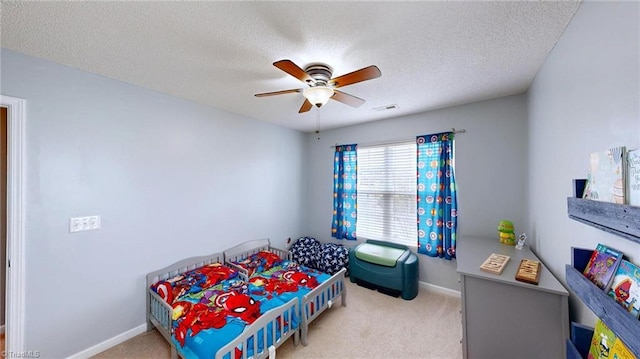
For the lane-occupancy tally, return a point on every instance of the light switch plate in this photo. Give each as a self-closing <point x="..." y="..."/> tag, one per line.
<point x="78" y="224"/>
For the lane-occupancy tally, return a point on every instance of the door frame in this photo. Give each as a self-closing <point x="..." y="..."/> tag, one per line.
<point x="16" y="189"/>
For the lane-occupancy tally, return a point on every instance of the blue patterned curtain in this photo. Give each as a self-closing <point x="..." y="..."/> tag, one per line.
<point x="344" y="192"/>
<point x="437" y="205"/>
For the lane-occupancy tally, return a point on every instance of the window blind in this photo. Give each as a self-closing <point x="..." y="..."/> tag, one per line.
<point x="387" y="193"/>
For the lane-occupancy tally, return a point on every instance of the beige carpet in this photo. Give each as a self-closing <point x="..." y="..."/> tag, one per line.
<point x="372" y="325"/>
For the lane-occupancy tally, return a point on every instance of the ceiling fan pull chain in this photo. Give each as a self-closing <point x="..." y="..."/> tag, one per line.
<point x="317" y="121"/>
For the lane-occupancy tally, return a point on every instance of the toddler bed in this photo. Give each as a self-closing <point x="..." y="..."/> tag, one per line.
<point x="205" y="309"/>
<point x="271" y="268"/>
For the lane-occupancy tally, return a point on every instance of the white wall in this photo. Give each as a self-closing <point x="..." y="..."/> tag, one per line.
<point x="585" y="99"/>
<point x="170" y="178"/>
<point x="490" y="170"/>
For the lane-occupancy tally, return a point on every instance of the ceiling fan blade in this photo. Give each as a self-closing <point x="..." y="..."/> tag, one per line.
<point x="294" y="70"/>
<point x="363" y="74"/>
<point x="347" y="99"/>
<point x="265" y="94"/>
<point x="306" y="106"/>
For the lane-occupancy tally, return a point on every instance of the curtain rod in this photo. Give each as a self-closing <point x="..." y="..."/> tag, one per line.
<point x="392" y="142"/>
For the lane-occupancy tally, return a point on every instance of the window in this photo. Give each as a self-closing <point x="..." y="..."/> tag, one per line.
<point x="387" y="193"/>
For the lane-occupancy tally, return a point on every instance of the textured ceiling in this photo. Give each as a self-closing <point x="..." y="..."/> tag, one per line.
<point x="432" y="54"/>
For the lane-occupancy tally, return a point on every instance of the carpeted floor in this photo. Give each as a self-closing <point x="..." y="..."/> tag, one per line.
<point x="372" y="325"/>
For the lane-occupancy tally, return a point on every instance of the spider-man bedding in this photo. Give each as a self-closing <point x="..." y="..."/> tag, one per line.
<point x="280" y="278"/>
<point x="212" y="305"/>
<point x="288" y="279"/>
<point x="287" y="276"/>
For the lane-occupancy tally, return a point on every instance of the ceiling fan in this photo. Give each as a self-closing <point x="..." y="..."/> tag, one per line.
<point x="321" y="86"/>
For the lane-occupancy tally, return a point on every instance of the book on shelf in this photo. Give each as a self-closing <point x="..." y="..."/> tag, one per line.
<point x="606" y="176"/>
<point x="633" y="177"/>
<point x="602" y="265"/>
<point x="606" y="344"/>
<point x="625" y="287"/>
<point x="620" y="351"/>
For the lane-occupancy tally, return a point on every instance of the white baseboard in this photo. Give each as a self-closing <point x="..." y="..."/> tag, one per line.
<point x="438" y="289"/>
<point x="110" y="343"/>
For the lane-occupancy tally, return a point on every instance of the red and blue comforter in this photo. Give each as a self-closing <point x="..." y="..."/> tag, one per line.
<point x="271" y="276"/>
<point x="212" y="306"/>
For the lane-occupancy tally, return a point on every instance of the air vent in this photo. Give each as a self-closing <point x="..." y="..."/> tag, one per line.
<point x="387" y="107"/>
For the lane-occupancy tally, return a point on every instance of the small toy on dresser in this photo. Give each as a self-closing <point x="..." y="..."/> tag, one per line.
<point x="495" y="263"/>
<point x="521" y="240"/>
<point x="528" y="271"/>
<point x="602" y="265"/>
<point x="505" y="232"/>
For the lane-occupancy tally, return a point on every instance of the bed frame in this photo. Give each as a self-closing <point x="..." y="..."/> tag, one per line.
<point x="245" y="249"/>
<point x="320" y="298"/>
<point x="159" y="314"/>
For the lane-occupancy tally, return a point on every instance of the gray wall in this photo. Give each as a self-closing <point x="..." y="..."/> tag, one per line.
<point x="490" y="170"/>
<point x="170" y="178"/>
<point x="585" y="99"/>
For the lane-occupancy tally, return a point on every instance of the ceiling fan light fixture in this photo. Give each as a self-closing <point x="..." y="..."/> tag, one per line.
<point x="322" y="86"/>
<point x="318" y="95"/>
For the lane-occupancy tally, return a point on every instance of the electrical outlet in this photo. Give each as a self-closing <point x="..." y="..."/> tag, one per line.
<point x="77" y="224"/>
<point x="85" y="223"/>
<point x="94" y="222"/>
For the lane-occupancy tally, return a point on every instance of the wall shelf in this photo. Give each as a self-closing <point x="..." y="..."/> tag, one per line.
<point x="611" y="313"/>
<point x="619" y="219"/>
<point x="623" y="221"/>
